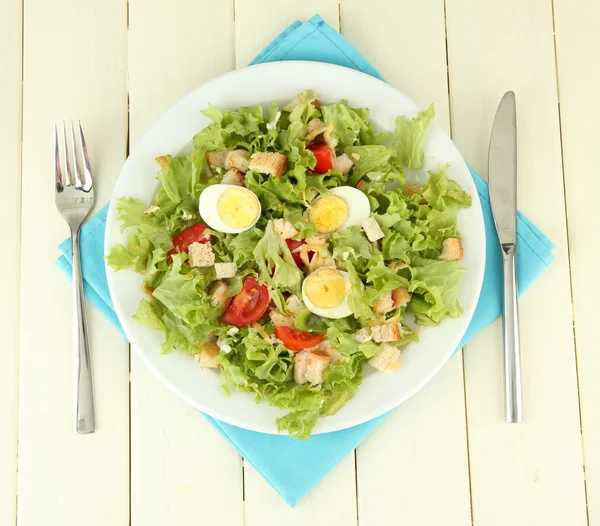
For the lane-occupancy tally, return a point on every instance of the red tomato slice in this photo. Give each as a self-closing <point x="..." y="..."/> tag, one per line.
<point x="249" y="305"/>
<point x="324" y="157"/>
<point x="296" y="340"/>
<point x="293" y="245"/>
<point x="192" y="234"/>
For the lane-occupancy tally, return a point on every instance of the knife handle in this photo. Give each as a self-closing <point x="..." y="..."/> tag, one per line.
<point x="513" y="395"/>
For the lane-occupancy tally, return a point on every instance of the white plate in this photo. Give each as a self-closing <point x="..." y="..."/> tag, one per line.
<point x="261" y="84"/>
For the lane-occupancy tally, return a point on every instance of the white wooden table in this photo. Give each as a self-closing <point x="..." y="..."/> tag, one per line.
<point x="444" y="458"/>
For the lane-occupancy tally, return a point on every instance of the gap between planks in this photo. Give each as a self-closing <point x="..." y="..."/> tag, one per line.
<point x="569" y="257"/>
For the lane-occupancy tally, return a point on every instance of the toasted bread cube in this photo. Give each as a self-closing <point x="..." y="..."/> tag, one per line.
<point x="293" y="103"/>
<point x="284" y="228"/>
<point x="363" y="335"/>
<point x="201" y="255"/>
<point x="372" y="229"/>
<point x="218" y="295"/>
<point x="225" y="270"/>
<point x="361" y="185"/>
<point x="270" y="163"/>
<point x="389" y="332"/>
<point x="237" y="159"/>
<point x="309" y="366"/>
<point x="343" y="164"/>
<point x="400" y="296"/>
<point x="294" y="305"/>
<point x="206" y="358"/>
<point x="386" y="358"/>
<point x="452" y="249"/>
<point x="217" y="159"/>
<point x="383" y="304"/>
<point x="278" y="319"/>
<point x="233" y="176"/>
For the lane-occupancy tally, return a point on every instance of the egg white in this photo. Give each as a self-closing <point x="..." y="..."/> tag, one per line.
<point x="208" y="208"/>
<point x="340" y="311"/>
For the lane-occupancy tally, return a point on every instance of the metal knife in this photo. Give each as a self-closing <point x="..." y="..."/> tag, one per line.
<point x="502" y="171"/>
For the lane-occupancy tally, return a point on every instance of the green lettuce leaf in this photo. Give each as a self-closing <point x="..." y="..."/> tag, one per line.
<point x="347" y="122"/>
<point x="436" y="284"/>
<point x="409" y="138"/>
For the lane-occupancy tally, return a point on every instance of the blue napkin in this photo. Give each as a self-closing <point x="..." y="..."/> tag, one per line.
<point x="295" y="467"/>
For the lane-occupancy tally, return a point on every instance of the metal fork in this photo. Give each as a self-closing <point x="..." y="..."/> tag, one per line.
<point x="74" y="196"/>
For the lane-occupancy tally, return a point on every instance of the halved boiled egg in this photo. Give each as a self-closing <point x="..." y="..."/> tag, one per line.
<point x="338" y="209"/>
<point x="325" y="293"/>
<point x="229" y="208"/>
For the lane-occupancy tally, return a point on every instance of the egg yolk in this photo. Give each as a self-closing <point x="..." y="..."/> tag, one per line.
<point x="329" y="213"/>
<point x="237" y="207"/>
<point x="325" y="288"/>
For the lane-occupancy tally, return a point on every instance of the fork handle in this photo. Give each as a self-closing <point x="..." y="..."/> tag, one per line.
<point x="512" y="354"/>
<point x="83" y="393"/>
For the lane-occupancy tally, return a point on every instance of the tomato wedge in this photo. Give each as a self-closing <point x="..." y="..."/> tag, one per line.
<point x="293" y="245"/>
<point x="296" y="340"/>
<point x="249" y="305"/>
<point x="324" y="157"/>
<point x="192" y="234"/>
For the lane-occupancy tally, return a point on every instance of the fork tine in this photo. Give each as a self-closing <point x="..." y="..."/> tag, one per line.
<point x="69" y="177"/>
<point x="85" y="160"/>
<point x="58" y="179"/>
<point x="78" y="181"/>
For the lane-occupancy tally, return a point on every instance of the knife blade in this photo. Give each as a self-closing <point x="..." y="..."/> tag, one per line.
<point x="502" y="173"/>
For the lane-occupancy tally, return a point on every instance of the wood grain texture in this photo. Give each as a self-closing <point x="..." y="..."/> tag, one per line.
<point x="577" y="49"/>
<point x="10" y="216"/>
<point x="80" y="72"/>
<point x="182" y="471"/>
<point x="529" y="473"/>
<point x="399" y="466"/>
<point x="257" y="22"/>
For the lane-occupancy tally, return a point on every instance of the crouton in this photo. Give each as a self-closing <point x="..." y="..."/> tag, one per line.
<point x="396" y="266"/>
<point x="201" y="255"/>
<point x="293" y="103"/>
<point x="315" y="124"/>
<point x="284" y="228"/>
<point x="206" y="358"/>
<point x="270" y="163"/>
<point x="218" y="294"/>
<point x="363" y="335"/>
<point x="383" y="304"/>
<point x="452" y="249"/>
<point x="237" y="159"/>
<point x="389" y="332"/>
<point x="233" y="176"/>
<point x="400" y="296"/>
<point x="309" y="366"/>
<point x="278" y="319"/>
<point x="225" y="270"/>
<point x="314" y="128"/>
<point x="294" y="305"/>
<point x="386" y="358"/>
<point x="216" y="159"/>
<point x="343" y="164"/>
<point x="372" y="229"/>
<point x="361" y="185"/>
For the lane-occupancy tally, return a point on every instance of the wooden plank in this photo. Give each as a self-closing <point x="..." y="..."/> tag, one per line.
<point x="182" y="471"/>
<point x="10" y="215"/>
<point x="531" y="473"/>
<point x="577" y="49"/>
<point x="257" y="22"/>
<point x="398" y="467"/>
<point x="77" y="73"/>
<point x="335" y="498"/>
